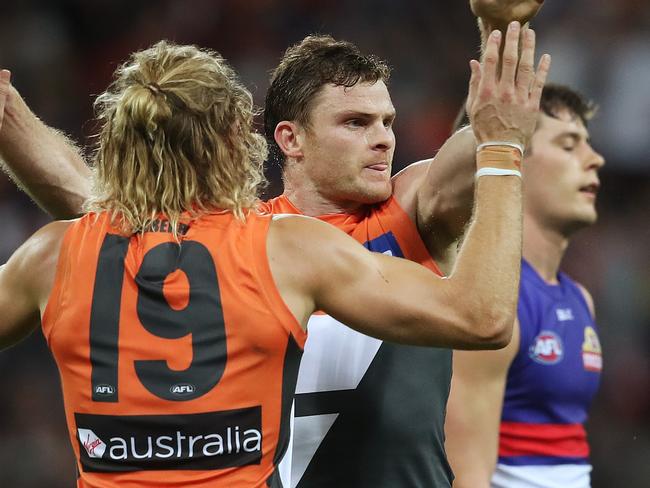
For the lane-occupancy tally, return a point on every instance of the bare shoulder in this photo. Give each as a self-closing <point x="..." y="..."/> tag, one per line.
<point x="588" y="298"/>
<point x="26" y="281"/>
<point x="34" y="263"/>
<point x="296" y="230"/>
<point x="44" y="242"/>
<point x="306" y="257"/>
<point x="311" y="250"/>
<point x="299" y="236"/>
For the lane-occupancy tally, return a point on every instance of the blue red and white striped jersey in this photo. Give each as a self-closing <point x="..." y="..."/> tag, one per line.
<point x="550" y="385"/>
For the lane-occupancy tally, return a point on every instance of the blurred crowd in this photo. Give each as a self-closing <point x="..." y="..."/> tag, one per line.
<point x="62" y="53"/>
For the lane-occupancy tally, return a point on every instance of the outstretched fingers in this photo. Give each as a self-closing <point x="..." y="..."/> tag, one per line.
<point x="489" y="66"/>
<point x="526" y="69"/>
<point x="510" y="56"/>
<point x="540" y="79"/>
<point x="474" y="81"/>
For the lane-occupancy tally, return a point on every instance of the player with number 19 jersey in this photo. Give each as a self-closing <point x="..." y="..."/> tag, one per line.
<point x="178" y="358"/>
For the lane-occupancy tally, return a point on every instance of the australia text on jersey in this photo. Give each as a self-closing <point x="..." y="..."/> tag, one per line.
<point x="213" y="440"/>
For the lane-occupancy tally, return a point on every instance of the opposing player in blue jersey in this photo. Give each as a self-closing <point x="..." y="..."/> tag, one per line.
<point x="534" y="436"/>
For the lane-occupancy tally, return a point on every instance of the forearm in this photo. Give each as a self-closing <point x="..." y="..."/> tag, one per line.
<point x="42" y="161"/>
<point x="474" y="413"/>
<point x="487" y="270"/>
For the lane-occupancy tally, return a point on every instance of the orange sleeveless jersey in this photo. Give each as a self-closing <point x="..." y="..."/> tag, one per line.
<point x="382" y="222"/>
<point x="178" y="363"/>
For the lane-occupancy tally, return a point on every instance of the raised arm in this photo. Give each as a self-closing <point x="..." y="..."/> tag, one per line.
<point x="438" y="193"/>
<point x="319" y="268"/>
<point x="41" y="160"/>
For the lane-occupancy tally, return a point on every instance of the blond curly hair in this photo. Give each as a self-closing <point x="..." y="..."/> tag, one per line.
<point x="176" y="140"/>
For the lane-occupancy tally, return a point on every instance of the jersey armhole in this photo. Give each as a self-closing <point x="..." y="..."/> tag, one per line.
<point x="53" y="306"/>
<point x="582" y="292"/>
<point x="270" y="292"/>
<point x="407" y="235"/>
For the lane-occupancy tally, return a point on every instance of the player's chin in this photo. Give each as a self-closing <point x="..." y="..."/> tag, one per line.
<point x="590" y="217"/>
<point x="371" y="193"/>
<point x="584" y="218"/>
<point x="588" y="212"/>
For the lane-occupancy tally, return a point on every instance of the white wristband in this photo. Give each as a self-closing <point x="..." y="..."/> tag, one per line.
<point x="488" y="171"/>
<point x="516" y="145"/>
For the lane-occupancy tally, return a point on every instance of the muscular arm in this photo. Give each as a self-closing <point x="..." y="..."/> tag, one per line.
<point x="474" y="412"/>
<point x="25" y="283"/>
<point x="41" y="160"/>
<point x="317" y="267"/>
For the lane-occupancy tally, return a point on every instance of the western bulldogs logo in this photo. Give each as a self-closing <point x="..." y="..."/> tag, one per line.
<point x="547" y="348"/>
<point x="592" y="354"/>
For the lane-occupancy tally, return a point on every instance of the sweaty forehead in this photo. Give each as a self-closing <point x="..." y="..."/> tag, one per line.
<point x="364" y="97"/>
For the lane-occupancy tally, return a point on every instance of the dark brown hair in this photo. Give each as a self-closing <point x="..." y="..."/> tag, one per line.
<point x="556" y="98"/>
<point x="304" y="69"/>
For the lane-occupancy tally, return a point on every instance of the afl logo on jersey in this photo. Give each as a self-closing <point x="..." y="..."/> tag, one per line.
<point x="182" y="389"/>
<point x="547" y="348"/>
<point x="105" y="390"/>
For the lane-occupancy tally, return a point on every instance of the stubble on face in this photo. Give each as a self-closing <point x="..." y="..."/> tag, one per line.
<point x="348" y="145"/>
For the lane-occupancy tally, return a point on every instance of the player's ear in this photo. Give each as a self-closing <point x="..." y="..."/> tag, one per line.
<point x="289" y="137"/>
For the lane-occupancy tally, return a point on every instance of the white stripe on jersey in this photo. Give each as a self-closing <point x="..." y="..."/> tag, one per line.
<point x="335" y="358"/>
<point x="312" y="432"/>
<point x="558" y="476"/>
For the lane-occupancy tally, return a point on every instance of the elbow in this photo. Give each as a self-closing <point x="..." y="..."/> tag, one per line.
<point x="498" y="333"/>
<point x="491" y="327"/>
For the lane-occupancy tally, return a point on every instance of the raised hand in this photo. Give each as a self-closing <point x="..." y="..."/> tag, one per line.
<point x="5" y="77"/>
<point x="499" y="13"/>
<point x="505" y="108"/>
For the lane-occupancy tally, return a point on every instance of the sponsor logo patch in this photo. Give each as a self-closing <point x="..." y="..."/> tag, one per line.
<point x="564" y="314"/>
<point x="547" y="348"/>
<point x="205" y="441"/>
<point x="592" y="354"/>
<point x="94" y="446"/>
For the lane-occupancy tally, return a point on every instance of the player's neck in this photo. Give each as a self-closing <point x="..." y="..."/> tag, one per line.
<point x="306" y="197"/>
<point x="544" y="249"/>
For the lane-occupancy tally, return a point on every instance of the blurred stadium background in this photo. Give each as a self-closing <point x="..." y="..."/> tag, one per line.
<point x="62" y="52"/>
